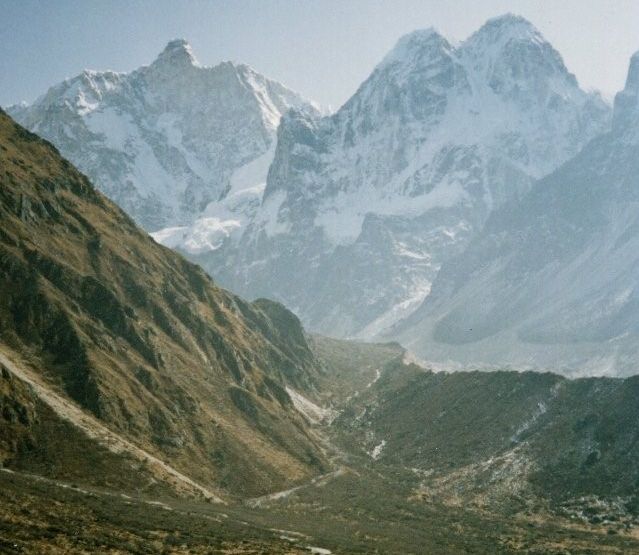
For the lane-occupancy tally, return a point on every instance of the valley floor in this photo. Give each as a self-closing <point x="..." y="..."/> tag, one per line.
<point x="358" y="513"/>
<point x="373" y="500"/>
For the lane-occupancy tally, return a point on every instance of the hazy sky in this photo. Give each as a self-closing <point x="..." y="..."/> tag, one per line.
<point x="322" y="48"/>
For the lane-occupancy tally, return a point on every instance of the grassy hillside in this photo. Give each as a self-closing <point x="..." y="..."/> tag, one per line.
<point x="503" y="440"/>
<point x="142" y="339"/>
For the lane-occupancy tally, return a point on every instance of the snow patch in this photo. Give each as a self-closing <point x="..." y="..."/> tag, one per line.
<point x="378" y="375"/>
<point x="206" y="234"/>
<point x="342" y="217"/>
<point x="268" y="217"/>
<point x="396" y="313"/>
<point x="252" y="176"/>
<point x="376" y="453"/>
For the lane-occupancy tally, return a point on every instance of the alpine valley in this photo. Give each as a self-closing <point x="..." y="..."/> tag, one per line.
<point x="469" y="205"/>
<point x="145" y="410"/>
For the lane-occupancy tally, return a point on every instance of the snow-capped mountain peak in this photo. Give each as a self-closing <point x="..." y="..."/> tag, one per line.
<point x="81" y="94"/>
<point x="410" y="82"/>
<point x="413" y="48"/>
<point x="177" y="53"/>
<point x="504" y="28"/>
<point x="517" y="63"/>
<point x="362" y="207"/>
<point x="165" y="140"/>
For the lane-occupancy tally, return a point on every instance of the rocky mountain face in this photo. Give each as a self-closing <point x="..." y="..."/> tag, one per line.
<point x="361" y="208"/>
<point x="168" y="139"/>
<point x="136" y="349"/>
<point x="552" y="279"/>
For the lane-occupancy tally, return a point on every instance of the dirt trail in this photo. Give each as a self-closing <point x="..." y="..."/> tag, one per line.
<point x="97" y="431"/>
<point x="318" y="481"/>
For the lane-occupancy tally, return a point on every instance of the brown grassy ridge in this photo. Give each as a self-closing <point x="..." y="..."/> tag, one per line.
<point x="141" y="338"/>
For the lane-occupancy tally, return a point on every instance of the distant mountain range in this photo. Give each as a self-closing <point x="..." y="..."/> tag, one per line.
<point x="361" y="208"/>
<point x="553" y="279"/>
<point x="470" y="200"/>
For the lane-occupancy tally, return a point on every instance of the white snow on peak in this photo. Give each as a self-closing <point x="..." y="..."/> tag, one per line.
<point x="177" y="52"/>
<point x="167" y="140"/>
<point x="507" y="27"/>
<point x="412" y="45"/>
<point x="403" y="175"/>
<point x="484" y="105"/>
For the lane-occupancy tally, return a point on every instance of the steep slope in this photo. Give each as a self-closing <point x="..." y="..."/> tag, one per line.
<point x="167" y="139"/>
<point x="102" y="319"/>
<point x="33" y="437"/>
<point x="361" y="208"/>
<point x="552" y="280"/>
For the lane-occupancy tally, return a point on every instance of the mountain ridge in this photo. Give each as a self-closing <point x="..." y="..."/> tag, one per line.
<point x="143" y="340"/>
<point x="371" y="200"/>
